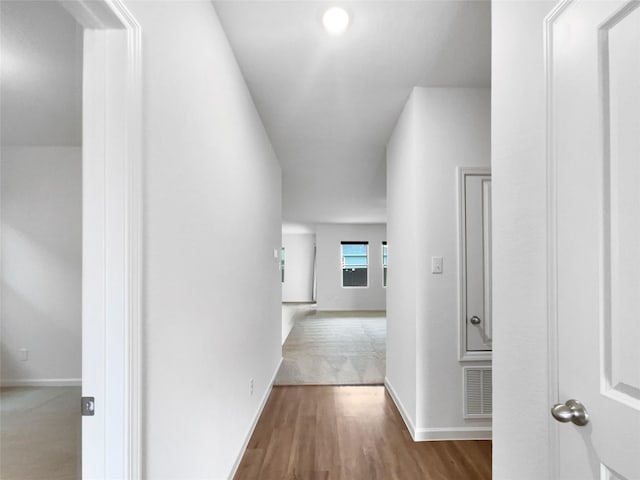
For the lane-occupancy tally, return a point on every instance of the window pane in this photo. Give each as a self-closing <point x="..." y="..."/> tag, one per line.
<point x="354" y="263"/>
<point x="360" y="260"/>
<point x="354" y="249"/>
<point x="354" y="277"/>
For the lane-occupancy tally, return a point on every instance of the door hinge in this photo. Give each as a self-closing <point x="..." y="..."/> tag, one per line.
<point x="88" y="406"/>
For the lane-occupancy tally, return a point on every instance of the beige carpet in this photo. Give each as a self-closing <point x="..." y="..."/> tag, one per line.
<point x="335" y="348"/>
<point x="40" y="433"/>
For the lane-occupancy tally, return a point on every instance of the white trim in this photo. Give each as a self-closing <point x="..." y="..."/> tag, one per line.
<point x="400" y="406"/>
<point x="487" y="250"/>
<point x="113" y="137"/>
<point x="437" y="433"/>
<point x="133" y="242"/>
<point x="453" y="433"/>
<point x="474" y="356"/>
<point x="256" y="417"/>
<point x="552" y="306"/>
<point x="463" y="354"/>
<point x="42" y="382"/>
<point x="93" y="14"/>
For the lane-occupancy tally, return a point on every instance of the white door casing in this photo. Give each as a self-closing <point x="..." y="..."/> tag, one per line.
<point x="593" y="74"/>
<point x="111" y="298"/>
<point x="474" y="218"/>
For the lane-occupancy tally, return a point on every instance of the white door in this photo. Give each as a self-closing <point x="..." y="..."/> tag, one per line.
<point x="594" y="100"/>
<point x="475" y="275"/>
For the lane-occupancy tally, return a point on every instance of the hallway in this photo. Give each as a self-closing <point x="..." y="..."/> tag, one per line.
<point x="350" y="433"/>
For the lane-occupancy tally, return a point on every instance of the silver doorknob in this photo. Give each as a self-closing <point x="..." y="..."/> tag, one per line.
<point x="475" y="320"/>
<point x="572" y="411"/>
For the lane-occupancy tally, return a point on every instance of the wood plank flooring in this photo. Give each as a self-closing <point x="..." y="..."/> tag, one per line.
<point x="350" y="433"/>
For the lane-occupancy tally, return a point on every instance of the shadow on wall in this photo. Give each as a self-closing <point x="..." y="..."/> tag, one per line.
<point x="293" y="311"/>
<point x="41" y="277"/>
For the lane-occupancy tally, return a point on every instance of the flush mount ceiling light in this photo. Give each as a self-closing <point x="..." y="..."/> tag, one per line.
<point x="335" y="20"/>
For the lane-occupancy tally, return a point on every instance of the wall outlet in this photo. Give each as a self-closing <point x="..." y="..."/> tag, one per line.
<point x="24" y="354"/>
<point x="251" y="387"/>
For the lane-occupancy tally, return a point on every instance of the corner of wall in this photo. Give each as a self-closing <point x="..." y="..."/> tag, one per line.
<point x="254" y="422"/>
<point x="404" y="413"/>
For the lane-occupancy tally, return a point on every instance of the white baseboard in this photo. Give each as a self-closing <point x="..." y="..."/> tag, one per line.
<point x="256" y="417"/>
<point x="403" y="412"/>
<point x="452" y="433"/>
<point x="440" y="433"/>
<point x="42" y="382"/>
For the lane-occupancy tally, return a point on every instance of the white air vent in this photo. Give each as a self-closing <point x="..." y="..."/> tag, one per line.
<point x="477" y="392"/>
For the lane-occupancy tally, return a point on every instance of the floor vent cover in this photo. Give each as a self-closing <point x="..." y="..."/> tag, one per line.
<point x="477" y="392"/>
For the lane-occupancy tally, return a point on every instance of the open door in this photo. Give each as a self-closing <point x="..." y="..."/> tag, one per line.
<point x="594" y="203"/>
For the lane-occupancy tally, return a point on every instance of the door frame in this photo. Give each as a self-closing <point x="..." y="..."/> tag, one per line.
<point x="112" y="237"/>
<point x="463" y="355"/>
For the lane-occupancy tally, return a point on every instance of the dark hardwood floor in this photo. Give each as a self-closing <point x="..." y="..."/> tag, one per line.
<point x="350" y="433"/>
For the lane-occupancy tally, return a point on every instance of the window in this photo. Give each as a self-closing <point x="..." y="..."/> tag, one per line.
<point x="384" y="264"/>
<point x="355" y="263"/>
<point x="282" y="264"/>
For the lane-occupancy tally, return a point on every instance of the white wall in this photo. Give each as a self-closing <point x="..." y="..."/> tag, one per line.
<point x="41" y="264"/>
<point x="212" y="215"/>
<point x="441" y="129"/>
<point x="519" y="241"/>
<point x="291" y="312"/>
<point x="330" y="293"/>
<point x="299" y="266"/>
<point x="402" y="164"/>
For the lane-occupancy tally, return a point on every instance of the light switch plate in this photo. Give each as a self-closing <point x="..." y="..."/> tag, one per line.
<point x="436" y="264"/>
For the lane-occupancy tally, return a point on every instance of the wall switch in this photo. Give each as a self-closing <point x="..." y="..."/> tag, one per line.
<point x="436" y="264"/>
<point x="24" y="354"/>
<point x="251" y="387"/>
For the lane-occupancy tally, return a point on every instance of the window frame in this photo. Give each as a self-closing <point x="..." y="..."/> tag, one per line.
<point x="342" y="264"/>
<point x="385" y="267"/>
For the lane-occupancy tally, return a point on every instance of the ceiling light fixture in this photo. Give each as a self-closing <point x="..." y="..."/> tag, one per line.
<point x="335" y="20"/>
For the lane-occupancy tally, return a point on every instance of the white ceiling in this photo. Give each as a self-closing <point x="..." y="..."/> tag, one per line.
<point x="329" y="104"/>
<point x="41" y="88"/>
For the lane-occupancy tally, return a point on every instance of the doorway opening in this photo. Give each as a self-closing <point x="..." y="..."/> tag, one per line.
<point x="109" y="196"/>
<point x="41" y="197"/>
<point x="334" y="319"/>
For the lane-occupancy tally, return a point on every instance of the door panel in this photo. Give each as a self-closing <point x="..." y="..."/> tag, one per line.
<point x="477" y="219"/>
<point x="594" y="73"/>
<point x="623" y="167"/>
